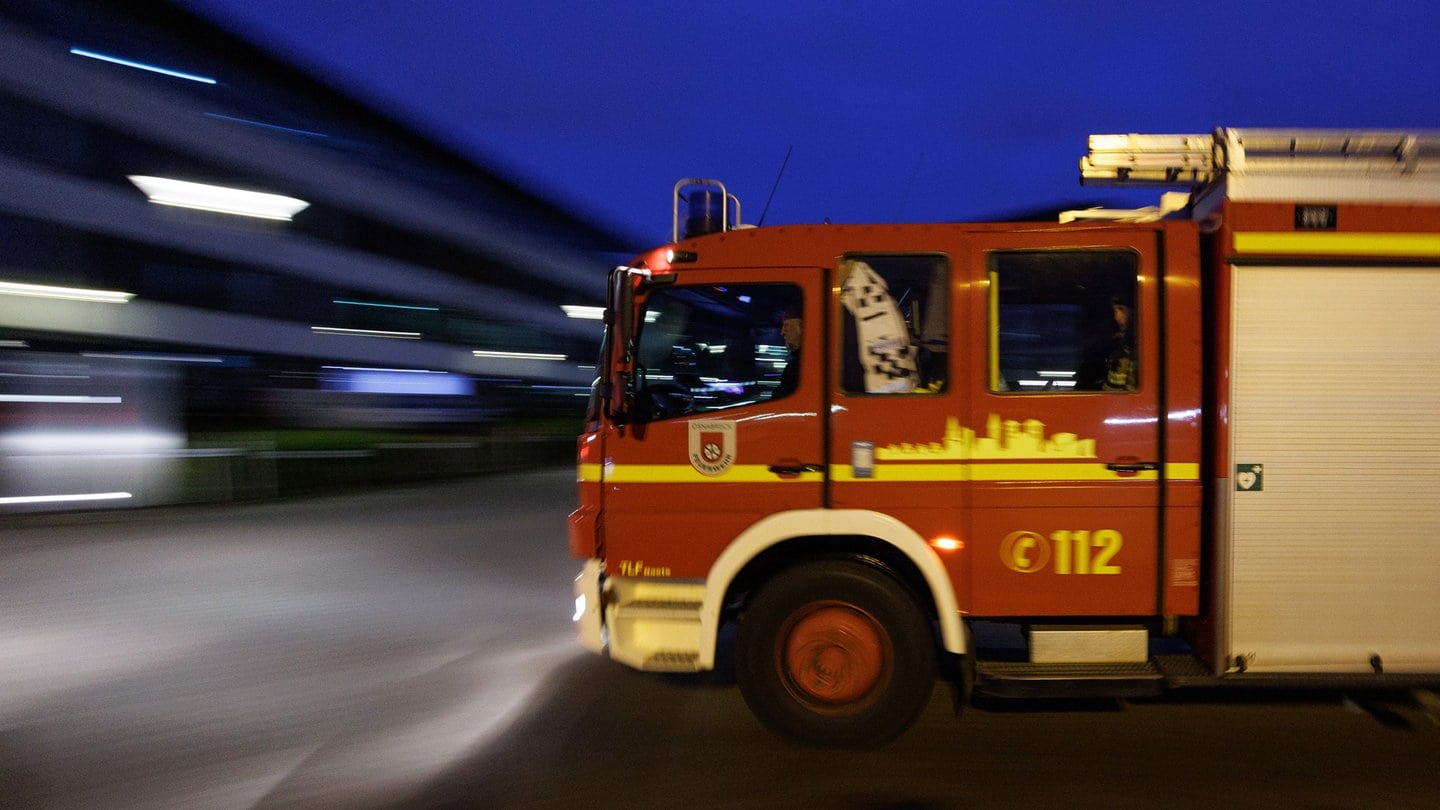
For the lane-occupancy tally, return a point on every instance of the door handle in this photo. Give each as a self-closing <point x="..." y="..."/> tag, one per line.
<point x="1128" y="467"/>
<point x="796" y="469"/>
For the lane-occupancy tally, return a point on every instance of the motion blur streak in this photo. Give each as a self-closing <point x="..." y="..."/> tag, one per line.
<point x="104" y="57"/>
<point x="90" y="441"/>
<point x="64" y="293"/>
<point x="218" y="199"/>
<point x="496" y="690"/>
<point x="73" y="498"/>
<point x="331" y="652"/>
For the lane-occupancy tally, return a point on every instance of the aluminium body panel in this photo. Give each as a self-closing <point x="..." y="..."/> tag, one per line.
<point x="1333" y="520"/>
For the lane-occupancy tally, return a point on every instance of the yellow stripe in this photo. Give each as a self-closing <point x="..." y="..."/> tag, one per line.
<point x="1339" y="244"/>
<point x="757" y="473"/>
<point x="1054" y="472"/>
<point x="908" y="472"/>
<point x="684" y="473"/>
<point x="1010" y="472"/>
<point x="1183" y="471"/>
<point x="588" y="473"/>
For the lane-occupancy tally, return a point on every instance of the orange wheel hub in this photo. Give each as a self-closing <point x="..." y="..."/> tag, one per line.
<point x="836" y="654"/>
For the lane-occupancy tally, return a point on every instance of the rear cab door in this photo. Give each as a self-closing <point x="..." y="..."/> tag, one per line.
<point x="1063" y="429"/>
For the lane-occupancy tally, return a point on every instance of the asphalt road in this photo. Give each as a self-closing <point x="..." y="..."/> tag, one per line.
<point x="329" y="652"/>
<point x="411" y="648"/>
<point x="604" y="737"/>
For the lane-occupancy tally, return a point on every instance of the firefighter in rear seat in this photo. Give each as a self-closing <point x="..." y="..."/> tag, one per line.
<point x="1120" y="356"/>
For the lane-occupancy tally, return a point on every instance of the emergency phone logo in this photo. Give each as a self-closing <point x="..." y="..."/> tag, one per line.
<point x="712" y="446"/>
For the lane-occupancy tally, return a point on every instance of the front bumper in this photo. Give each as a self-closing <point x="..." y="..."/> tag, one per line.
<point x="589" y="611"/>
<point x="648" y="624"/>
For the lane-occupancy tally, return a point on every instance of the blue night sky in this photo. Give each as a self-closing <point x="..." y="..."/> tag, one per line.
<point x="895" y="111"/>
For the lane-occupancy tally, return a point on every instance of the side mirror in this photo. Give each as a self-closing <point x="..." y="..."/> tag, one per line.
<point x="620" y="398"/>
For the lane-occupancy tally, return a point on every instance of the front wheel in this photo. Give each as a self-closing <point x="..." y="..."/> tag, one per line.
<point x="835" y="653"/>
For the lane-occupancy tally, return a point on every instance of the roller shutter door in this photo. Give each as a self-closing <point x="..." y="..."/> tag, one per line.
<point x="1334" y="548"/>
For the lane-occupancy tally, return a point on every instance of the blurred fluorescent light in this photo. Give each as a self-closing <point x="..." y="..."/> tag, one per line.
<point x="370" y="333"/>
<point x="518" y="355"/>
<point x="14" y="344"/>
<point x="42" y="376"/>
<point x="64" y="293"/>
<point x="218" y="199"/>
<point x="82" y="496"/>
<point x="584" y="313"/>
<point x="396" y="381"/>
<point x="386" y="306"/>
<point x="158" y="358"/>
<point x="393" y="370"/>
<point x="61" y="399"/>
<point x="45" y="442"/>
<point x="263" y="125"/>
<point x="130" y="63"/>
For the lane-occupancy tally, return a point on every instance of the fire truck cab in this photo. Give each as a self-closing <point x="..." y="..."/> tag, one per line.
<point x="1117" y="454"/>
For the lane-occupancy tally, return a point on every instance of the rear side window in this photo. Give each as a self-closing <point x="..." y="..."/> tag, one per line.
<point x="895" y="323"/>
<point x="1063" y="321"/>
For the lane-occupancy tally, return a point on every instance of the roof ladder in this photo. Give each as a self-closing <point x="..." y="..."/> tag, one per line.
<point x="1191" y="161"/>
<point x="1184" y="161"/>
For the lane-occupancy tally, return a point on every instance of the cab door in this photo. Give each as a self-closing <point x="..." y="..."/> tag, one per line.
<point x="724" y="428"/>
<point x="895" y="396"/>
<point x="1063" y="423"/>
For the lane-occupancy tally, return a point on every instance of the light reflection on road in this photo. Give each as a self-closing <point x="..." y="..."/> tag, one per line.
<point x="338" y="652"/>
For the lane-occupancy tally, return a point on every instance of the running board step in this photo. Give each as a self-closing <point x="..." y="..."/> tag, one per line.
<point x="1008" y="679"/>
<point x="673" y="661"/>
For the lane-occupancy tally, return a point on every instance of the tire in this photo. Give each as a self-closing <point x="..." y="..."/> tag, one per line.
<point x="835" y="653"/>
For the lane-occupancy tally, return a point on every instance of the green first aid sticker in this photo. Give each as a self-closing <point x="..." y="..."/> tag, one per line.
<point x="1249" y="477"/>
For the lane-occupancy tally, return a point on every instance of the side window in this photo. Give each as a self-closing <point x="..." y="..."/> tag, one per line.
<point x="895" y="324"/>
<point x="1063" y="321"/>
<point x="708" y="348"/>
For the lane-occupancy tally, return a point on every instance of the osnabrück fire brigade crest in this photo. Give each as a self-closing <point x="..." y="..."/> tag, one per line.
<point x="712" y="446"/>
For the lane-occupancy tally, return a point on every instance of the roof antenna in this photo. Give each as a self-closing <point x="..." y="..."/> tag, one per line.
<point x="778" y="175"/>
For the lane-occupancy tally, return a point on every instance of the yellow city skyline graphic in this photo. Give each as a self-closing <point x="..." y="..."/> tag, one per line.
<point x="1003" y="439"/>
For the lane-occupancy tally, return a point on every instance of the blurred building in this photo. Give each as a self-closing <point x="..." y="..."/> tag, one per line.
<point x="196" y="236"/>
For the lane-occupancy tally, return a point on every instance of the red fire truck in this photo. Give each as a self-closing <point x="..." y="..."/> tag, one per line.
<point x="1119" y="454"/>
